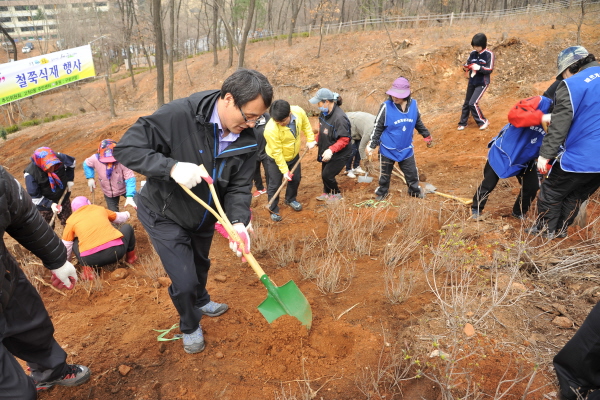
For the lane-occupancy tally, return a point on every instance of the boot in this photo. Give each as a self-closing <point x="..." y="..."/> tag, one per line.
<point x="131" y="257"/>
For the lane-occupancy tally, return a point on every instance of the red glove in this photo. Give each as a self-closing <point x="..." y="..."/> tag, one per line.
<point x="288" y="175"/>
<point x="429" y="141"/>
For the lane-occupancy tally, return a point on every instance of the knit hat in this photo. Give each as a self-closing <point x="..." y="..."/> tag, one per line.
<point x="79" y="202"/>
<point x="105" y="151"/>
<point x="568" y="57"/>
<point x="479" y="40"/>
<point x="322" y="95"/>
<point x="400" y="88"/>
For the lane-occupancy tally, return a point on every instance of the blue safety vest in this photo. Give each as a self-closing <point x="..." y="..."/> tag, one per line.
<point x="514" y="148"/>
<point x="582" y="145"/>
<point x="396" y="139"/>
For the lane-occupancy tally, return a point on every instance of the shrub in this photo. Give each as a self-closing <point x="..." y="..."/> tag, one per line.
<point x="12" y="129"/>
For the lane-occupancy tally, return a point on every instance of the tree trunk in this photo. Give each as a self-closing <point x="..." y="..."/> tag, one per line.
<point x="215" y="32"/>
<point x="229" y="45"/>
<point x="170" y="54"/>
<point x="12" y="41"/>
<point x="296" y="5"/>
<point x="111" y="100"/>
<point x="158" y="58"/>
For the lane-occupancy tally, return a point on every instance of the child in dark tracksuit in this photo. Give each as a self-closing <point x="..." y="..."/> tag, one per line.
<point x="479" y="65"/>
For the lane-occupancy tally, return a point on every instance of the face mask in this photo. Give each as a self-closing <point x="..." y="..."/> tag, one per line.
<point x="324" y="110"/>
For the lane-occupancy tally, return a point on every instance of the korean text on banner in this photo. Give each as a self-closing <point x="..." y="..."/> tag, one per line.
<point x="34" y="75"/>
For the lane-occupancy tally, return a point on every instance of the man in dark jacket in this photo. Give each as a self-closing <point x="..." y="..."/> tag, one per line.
<point x="211" y="128"/>
<point x="26" y="330"/>
<point x="575" y="129"/>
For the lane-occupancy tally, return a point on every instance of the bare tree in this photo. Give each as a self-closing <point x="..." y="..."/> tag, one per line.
<point x="127" y="11"/>
<point x="171" y="51"/>
<point x="215" y="42"/>
<point x="12" y="41"/>
<point x="159" y="58"/>
<point x="296" y="5"/>
<point x="251" y="7"/>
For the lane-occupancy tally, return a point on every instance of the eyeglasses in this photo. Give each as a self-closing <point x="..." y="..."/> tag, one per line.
<point x="249" y="121"/>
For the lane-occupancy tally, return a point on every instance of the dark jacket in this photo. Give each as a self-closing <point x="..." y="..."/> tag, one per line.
<point x="259" y="132"/>
<point x="333" y="126"/>
<point x="38" y="184"/>
<point x="380" y="125"/>
<point x="562" y="117"/>
<point x="485" y="59"/>
<point x="20" y="219"/>
<point x="181" y="131"/>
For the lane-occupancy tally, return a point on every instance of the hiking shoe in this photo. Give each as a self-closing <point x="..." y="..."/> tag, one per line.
<point x="323" y="197"/>
<point x="381" y="197"/>
<point x="461" y="128"/>
<point x="562" y="234"/>
<point x="534" y="230"/>
<point x="335" y="197"/>
<point x="351" y="174"/>
<point x="294" y="204"/>
<point x="276" y="217"/>
<point x="193" y="342"/>
<point x="214" y="309"/>
<point x="475" y="214"/>
<point x="518" y="216"/>
<point x="259" y="192"/>
<point x="485" y="125"/>
<point x="74" y="376"/>
<point x="359" y="170"/>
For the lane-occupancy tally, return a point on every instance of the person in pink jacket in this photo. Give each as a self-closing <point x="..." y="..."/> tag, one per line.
<point x="116" y="180"/>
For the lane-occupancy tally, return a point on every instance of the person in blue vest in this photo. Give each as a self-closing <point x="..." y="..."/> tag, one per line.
<point x="514" y="152"/>
<point x="396" y="121"/>
<point x="576" y="127"/>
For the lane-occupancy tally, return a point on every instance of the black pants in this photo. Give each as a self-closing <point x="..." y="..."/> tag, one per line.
<point x="110" y="255"/>
<point x="330" y="169"/>
<point x="26" y="332"/>
<point x="407" y="166"/>
<point x="184" y="255"/>
<point x="112" y="203"/>
<point x="354" y="160"/>
<point x="471" y="105"/>
<point x="577" y="364"/>
<point x="257" y="179"/>
<point x="561" y="195"/>
<point x="276" y="178"/>
<point x="529" y="187"/>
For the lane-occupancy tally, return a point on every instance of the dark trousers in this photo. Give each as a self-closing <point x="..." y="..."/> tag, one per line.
<point x="112" y="203"/>
<point x="529" y="187"/>
<point x="62" y="215"/>
<point x="471" y="105"/>
<point x="577" y="364"/>
<point x="561" y="194"/>
<point x="257" y="179"/>
<point x="354" y="160"/>
<point x="184" y="255"/>
<point x="110" y="255"/>
<point x="407" y="166"/>
<point x="330" y="169"/>
<point x="276" y="178"/>
<point x="26" y="332"/>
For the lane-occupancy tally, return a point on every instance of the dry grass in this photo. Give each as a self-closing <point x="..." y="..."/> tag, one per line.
<point x="152" y="265"/>
<point x="263" y="239"/>
<point x="334" y="273"/>
<point x="30" y="264"/>
<point x="284" y="251"/>
<point x="92" y="285"/>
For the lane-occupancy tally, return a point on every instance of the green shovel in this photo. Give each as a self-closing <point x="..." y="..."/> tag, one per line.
<point x="283" y="300"/>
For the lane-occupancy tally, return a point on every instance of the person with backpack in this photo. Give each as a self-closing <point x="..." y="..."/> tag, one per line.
<point x="479" y="66"/>
<point x="116" y="180"/>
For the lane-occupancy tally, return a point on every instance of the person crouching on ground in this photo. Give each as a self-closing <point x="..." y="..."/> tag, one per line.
<point x="48" y="177"/>
<point x="116" y="180"/>
<point x="514" y="152"/>
<point x="361" y="127"/>
<point x="282" y="135"/>
<point x="334" y="141"/>
<point x="396" y="121"/>
<point x="90" y="235"/>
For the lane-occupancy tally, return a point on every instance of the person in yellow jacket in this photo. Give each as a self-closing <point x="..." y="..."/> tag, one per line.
<point x="282" y="135"/>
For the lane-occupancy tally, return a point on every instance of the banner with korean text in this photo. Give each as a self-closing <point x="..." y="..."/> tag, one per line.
<point x="34" y="75"/>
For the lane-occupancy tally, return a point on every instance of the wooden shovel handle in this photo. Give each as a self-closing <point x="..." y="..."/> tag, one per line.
<point x="285" y="181"/>
<point x="60" y="204"/>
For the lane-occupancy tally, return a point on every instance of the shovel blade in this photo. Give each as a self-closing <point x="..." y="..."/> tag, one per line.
<point x="429" y="188"/>
<point x="285" y="300"/>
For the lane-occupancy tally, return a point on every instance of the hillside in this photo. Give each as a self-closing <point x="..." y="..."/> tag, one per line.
<point x="373" y="334"/>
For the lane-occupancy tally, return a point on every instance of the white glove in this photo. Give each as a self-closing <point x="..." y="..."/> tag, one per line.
<point x="310" y="145"/>
<point x="327" y="155"/>
<point x="249" y="228"/>
<point x="70" y="185"/>
<point x="56" y="208"/>
<point x="476" y="67"/>
<point x="64" y="277"/>
<point x="129" y="202"/>
<point x="91" y="184"/>
<point x="187" y="174"/>
<point x="288" y="175"/>
<point x="122" y="217"/>
<point x="369" y="150"/>
<point x="542" y="165"/>
<point x="242" y="232"/>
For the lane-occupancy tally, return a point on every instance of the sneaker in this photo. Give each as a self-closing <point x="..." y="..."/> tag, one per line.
<point x="276" y="217"/>
<point x="74" y="376"/>
<point x="485" y="125"/>
<point x="518" y="216"/>
<point x="193" y="342"/>
<point x="561" y="234"/>
<point x="323" y="197"/>
<point x="534" y="230"/>
<point x="359" y="170"/>
<point x="335" y="197"/>
<point x="381" y="197"/>
<point x="351" y="174"/>
<point x="214" y="309"/>
<point x="258" y="193"/>
<point x="461" y="128"/>
<point x="475" y="214"/>
<point x="294" y="204"/>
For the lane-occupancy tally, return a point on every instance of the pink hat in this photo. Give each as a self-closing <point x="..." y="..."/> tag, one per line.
<point x="400" y="88"/>
<point x="105" y="151"/>
<point x="79" y="202"/>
